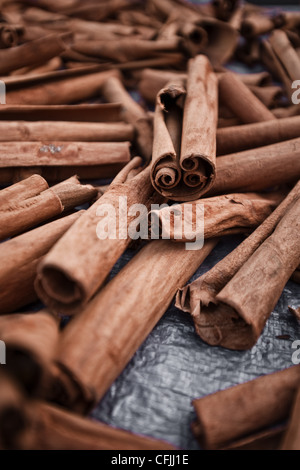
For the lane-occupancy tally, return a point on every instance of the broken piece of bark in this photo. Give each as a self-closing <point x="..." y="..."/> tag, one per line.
<point x="234" y="413"/>
<point x="249" y="136"/>
<point x="241" y="101"/>
<point x="69" y="276"/>
<point x="19" y="258"/>
<point x="137" y="309"/>
<point x="52" y="428"/>
<point x="222" y="303"/>
<point x="31" y="340"/>
<point x="223" y="215"/>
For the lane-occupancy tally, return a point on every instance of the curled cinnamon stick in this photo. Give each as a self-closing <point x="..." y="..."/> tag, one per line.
<point x="137" y="309"/>
<point x="237" y="411"/>
<point x="19" y="258"/>
<point x="64" y="282"/>
<point x="241" y="101"/>
<point x="223" y="215"/>
<point x="225" y="310"/>
<point x="52" y="428"/>
<point x="31" y="341"/>
<point x="238" y="138"/>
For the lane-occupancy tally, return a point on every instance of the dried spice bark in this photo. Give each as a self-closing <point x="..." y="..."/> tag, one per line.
<point x="19" y="258"/>
<point x="138" y="309"/>
<point x="239" y="411"/>
<point x="223" y="215"/>
<point x="239" y="138"/>
<point x="291" y="440"/>
<point x="69" y="275"/>
<point x="232" y="302"/>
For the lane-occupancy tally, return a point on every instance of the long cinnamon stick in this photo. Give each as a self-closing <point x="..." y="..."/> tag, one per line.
<point x="241" y="101"/>
<point x="137" y="309"/>
<point x="233" y="413"/>
<point x="65" y="131"/>
<point x="19" y="258"/>
<point x="106" y="156"/>
<point x="81" y="113"/>
<point x="257" y="169"/>
<point x="114" y="92"/>
<point x="31" y="53"/>
<point x="238" y="138"/>
<point x="264" y="258"/>
<point x="52" y="428"/>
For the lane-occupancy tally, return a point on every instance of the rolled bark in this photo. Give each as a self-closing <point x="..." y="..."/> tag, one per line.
<point x="237" y="411"/>
<point x="24" y="190"/>
<point x="290" y="111"/>
<point x="249" y="136"/>
<point x="81" y="113"/>
<point x="19" y="259"/>
<point x="31" y="341"/>
<point x="58" y="92"/>
<point x="291" y="440"/>
<point x="31" y="53"/>
<point x="225" y="309"/>
<point x="9" y="36"/>
<point x="69" y="277"/>
<point x="114" y="92"/>
<point x="19" y="131"/>
<point x="52" y="428"/>
<point x="224" y="9"/>
<point x="241" y="101"/>
<point x="269" y="439"/>
<point x="137" y="309"/>
<point x="223" y="215"/>
<point x="72" y="194"/>
<point x="124" y="50"/>
<point x="198" y="143"/>
<point x="152" y="81"/>
<point x="256" y="25"/>
<point x="69" y="158"/>
<point x="258" y="169"/>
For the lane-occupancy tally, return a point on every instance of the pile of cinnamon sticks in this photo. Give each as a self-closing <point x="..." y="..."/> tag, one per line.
<point x="113" y="99"/>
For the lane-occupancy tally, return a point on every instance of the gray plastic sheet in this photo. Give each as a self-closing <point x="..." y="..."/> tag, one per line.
<point x="153" y="395"/>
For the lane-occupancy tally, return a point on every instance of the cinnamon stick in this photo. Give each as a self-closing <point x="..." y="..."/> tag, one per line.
<point x="31" y="341"/>
<point x="19" y="258"/>
<point x="237" y="411"/>
<point x="103" y="158"/>
<point x="24" y="190"/>
<point x="63" y="281"/>
<point x="223" y="215"/>
<point x="152" y="81"/>
<point x="241" y="101"/>
<point x="65" y="131"/>
<point x="249" y="136"/>
<point x="31" y="53"/>
<point x="222" y="303"/>
<point x="257" y="169"/>
<point x="81" y="113"/>
<point x="291" y="440"/>
<point x="137" y="309"/>
<point x="64" y="91"/>
<point x="114" y="92"/>
<point x="270" y="96"/>
<point x="52" y="428"/>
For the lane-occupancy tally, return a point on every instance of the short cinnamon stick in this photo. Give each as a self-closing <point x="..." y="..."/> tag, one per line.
<point x="237" y="411"/>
